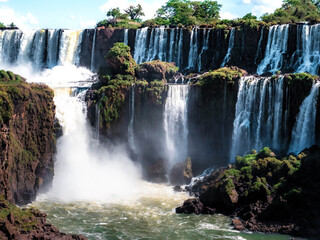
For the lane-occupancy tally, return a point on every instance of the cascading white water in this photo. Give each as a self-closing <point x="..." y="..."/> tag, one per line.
<point x="70" y="41"/>
<point x="131" y="123"/>
<point x="259" y="115"/>
<point x="140" y="45"/>
<point x="276" y="48"/>
<point x="259" y="46"/>
<point x="53" y="48"/>
<point x="175" y="123"/>
<point x="303" y="134"/>
<point x="84" y="172"/>
<point x="93" y="50"/>
<point x="171" y="44"/>
<point x="41" y="48"/>
<point x="193" y="52"/>
<point x="205" y="47"/>
<point x="230" y="48"/>
<point x="125" y="36"/>
<point x="308" y="49"/>
<point x="179" y="60"/>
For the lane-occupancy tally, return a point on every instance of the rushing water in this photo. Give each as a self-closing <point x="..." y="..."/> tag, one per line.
<point x="175" y="123"/>
<point x="147" y="215"/>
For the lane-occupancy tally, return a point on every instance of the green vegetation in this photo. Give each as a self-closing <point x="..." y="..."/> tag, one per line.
<point x="130" y="19"/>
<point x="293" y="11"/>
<point x="156" y="70"/>
<point x="120" y="59"/>
<point x="263" y="172"/>
<point x="23" y="218"/>
<point x="15" y="91"/>
<point x="188" y="13"/>
<point x="114" y="85"/>
<point x="11" y="25"/>
<point x="218" y="76"/>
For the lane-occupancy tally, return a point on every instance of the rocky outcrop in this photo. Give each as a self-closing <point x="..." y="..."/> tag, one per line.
<point x="156" y="70"/>
<point x="181" y="173"/>
<point x="27" y="138"/>
<point x="27" y="144"/>
<point x="265" y="193"/>
<point x="25" y="224"/>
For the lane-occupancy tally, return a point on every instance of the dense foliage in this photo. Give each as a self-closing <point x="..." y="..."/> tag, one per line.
<point x="129" y="19"/>
<point x="295" y="11"/>
<point x="188" y="12"/>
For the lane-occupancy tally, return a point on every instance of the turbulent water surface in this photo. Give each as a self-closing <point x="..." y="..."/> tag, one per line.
<point x="146" y="215"/>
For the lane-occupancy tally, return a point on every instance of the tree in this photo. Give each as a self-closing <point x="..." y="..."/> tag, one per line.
<point x="114" y="12"/>
<point x="189" y="12"/>
<point x="249" y="16"/>
<point x="2" y="25"/>
<point x="206" y="11"/>
<point x="135" y="12"/>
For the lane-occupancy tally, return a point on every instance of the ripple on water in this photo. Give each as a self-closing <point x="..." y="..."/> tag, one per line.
<point x="147" y="215"/>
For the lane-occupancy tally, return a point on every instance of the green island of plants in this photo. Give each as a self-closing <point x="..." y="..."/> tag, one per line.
<point x="185" y="13"/>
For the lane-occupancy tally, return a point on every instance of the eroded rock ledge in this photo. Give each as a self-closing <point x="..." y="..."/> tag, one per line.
<point x="263" y="192"/>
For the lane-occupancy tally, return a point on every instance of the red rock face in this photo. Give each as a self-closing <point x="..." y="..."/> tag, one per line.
<point x="27" y="142"/>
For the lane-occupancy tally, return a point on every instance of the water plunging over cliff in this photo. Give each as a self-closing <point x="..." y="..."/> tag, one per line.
<point x="230" y="48"/>
<point x="259" y="115"/>
<point x="276" y="49"/>
<point x="304" y="131"/>
<point x="175" y="123"/>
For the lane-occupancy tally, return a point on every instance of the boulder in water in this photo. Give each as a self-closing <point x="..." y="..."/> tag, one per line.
<point x="181" y="173"/>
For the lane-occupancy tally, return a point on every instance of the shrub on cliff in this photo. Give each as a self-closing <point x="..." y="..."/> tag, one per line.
<point x="219" y="76"/>
<point x="120" y="59"/>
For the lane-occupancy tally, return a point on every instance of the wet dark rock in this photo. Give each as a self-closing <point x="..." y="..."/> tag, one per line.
<point x="181" y="173"/>
<point x="280" y="200"/>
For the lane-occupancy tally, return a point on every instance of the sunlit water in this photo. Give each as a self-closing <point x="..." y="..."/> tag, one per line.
<point x="149" y="214"/>
<point x="99" y="193"/>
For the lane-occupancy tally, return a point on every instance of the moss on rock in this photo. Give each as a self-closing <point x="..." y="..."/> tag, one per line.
<point x="120" y="59"/>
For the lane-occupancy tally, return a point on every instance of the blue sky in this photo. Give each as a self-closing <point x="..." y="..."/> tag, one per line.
<point x="34" y="14"/>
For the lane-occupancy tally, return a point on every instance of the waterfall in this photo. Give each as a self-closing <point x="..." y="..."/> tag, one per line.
<point x="97" y="121"/>
<point x="53" y="48"/>
<point x="10" y="46"/>
<point x="172" y="44"/>
<point x="175" y="123"/>
<point x="259" y="115"/>
<point x="40" y="48"/>
<point x="179" y="60"/>
<point x="140" y="45"/>
<point x="193" y="52"/>
<point x="308" y="49"/>
<point x="230" y="48"/>
<point x="131" y="116"/>
<point x="259" y="46"/>
<point x="125" y="36"/>
<point x="205" y="47"/>
<point x="93" y="49"/>
<point x="303" y="134"/>
<point x="276" y="49"/>
<point x="69" y="45"/>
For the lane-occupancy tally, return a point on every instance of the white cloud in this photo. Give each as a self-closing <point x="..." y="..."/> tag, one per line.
<point x="3" y="0"/>
<point x="87" y="23"/>
<point x="8" y="15"/>
<point x="228" y="15"/>
<point x="149" y="8"/>
<point x="265" y="6"/>
<point x="72" y="16"/>
<point x="246" y="1"/>
<point x="32" y="19"/>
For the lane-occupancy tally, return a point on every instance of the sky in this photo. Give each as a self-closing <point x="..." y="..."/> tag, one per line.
<point x="80" y="14"/>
